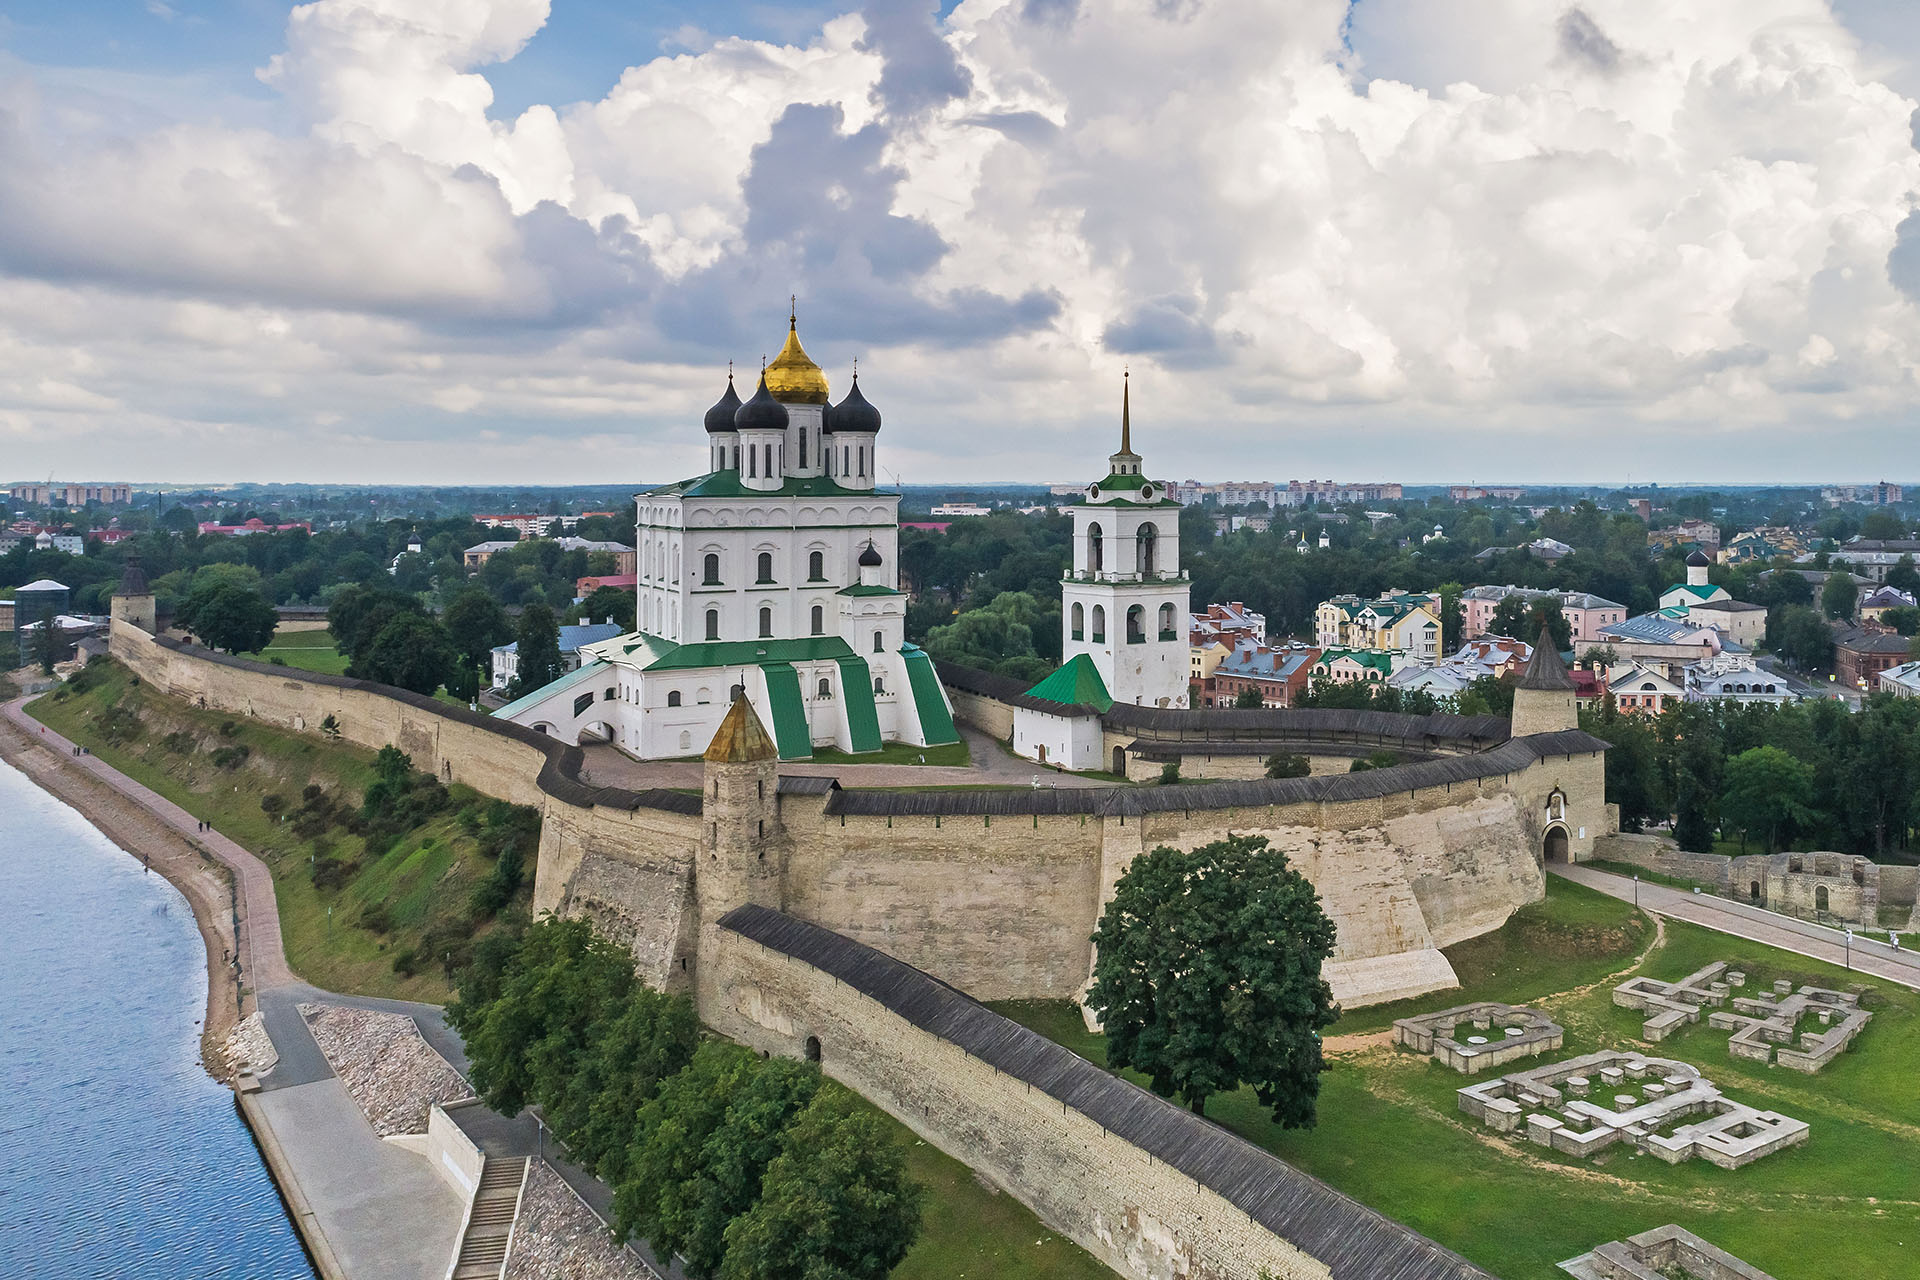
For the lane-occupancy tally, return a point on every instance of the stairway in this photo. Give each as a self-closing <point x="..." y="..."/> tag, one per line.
<point x="483" y="1249"/>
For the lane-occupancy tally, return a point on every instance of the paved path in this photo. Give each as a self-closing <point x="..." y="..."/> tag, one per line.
<point x="992" y="766"/>
<point x="1742" y="921"/>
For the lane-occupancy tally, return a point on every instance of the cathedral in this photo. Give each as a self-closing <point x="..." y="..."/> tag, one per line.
<point x="775" y="574"/>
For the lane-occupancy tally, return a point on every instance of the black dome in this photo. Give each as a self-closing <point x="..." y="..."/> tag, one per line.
<point x="869" y="558"/>
<point x="1697" y="561"/>
<point x="762" y="412"/>
<point x="720" y="417"/>
<point x="854" y="413"/>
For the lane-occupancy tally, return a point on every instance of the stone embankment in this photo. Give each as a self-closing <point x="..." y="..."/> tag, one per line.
<point x="391" y="1072"/>
<point x="250" y="1048"/>
<point x="556" y="1237"/>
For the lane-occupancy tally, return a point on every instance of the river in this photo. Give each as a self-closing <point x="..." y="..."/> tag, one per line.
<point x="122" y="1157"/>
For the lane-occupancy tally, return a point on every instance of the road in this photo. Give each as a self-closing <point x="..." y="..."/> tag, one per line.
<point x="1875" y="959"/>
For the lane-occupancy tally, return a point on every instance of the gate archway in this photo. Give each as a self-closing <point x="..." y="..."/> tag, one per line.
<point x="1554" y="847"/>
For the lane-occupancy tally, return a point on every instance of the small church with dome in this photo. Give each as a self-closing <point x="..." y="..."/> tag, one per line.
<point x="774" y="575"/>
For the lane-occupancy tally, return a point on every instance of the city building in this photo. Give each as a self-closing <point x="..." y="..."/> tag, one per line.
<point x="71" y="495"/>
<point x="1874" y="605"/>
<point x="1642" y="690"/>
<point x="1279" y="676"/>
<point x="1699" y="535"/>
<point x="33" y="604"/>
<point x="624" y="556"/>
<point x="1212" y="635"/>
<point x="1696" y="589"/>
<point x="1585" y="612"/>
<point x="1480" y="493"/>
<point x="481" y="552"/>
<point x="506" y="657"/>
<point x="250" y="527"/>
<point x="773" y="577"/>
<point x="1667" y="645"/>
<point x="1744" y="624"/>
<point x="1764" y="543"/>
<point x="530" y="524"/>
<point x="1295" y="493"/>
<point x="1737" y="678"/>
<point x="1860" y="654"/>
<point x="43" y="539"/>
<point x="1902" y="681"/>
<point x="1406" y="623"/>
<point x="1874" y="495"/>
<point x="953" y="509"/>
<point x="1874" y="557"/>
<point x="1351" y="666"/>
<point x="584" y="587"/>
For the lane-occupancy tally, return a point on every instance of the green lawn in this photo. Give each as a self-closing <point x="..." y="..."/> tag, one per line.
<point x="421" y="883"/>
<point x="307" y="650"/>
<point x="1651" y="877"/>
<point x="952" y="755"/>
<point x="1847" y="1203"/>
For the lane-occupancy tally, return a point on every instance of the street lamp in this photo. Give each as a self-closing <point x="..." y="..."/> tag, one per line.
<point x="1849" y="949"/>
<point x="1636" y="893"/>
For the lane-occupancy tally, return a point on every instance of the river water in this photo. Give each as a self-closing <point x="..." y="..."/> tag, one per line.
<point x="122" y="1158"/>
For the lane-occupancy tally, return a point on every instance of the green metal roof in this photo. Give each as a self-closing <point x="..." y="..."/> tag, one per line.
<point x="1365" y="657"/>
<point x="858" y="590"/>
<point x="545" y="691"/>
<point x="752" y="653"/>
<point x="1077" y="684"/>
<point x="726" y="484"/>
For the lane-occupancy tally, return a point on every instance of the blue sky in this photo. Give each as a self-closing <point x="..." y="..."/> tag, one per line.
<point x="1438" y="238"/>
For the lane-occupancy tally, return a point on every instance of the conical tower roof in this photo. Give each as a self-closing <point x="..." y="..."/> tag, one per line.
<point x="133" y="579"/>
<point x="741" y="738"/>
<point x="1546" y="671"/>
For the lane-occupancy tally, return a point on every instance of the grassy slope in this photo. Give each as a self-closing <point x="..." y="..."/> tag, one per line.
<point x="1846" y="1203"/>
<point x="307" y="650"/>
<point x="424" y="879"/>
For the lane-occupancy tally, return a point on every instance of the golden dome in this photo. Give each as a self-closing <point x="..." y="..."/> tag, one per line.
<point x="793" y="377"/>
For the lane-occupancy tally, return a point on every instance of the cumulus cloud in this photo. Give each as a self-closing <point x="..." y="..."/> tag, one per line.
<point x="1478" y="221"/>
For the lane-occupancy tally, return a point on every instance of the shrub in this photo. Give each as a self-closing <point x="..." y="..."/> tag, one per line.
<point x="312" y="791"/>
<point x="333" y="873"/>
<point x="374" y="918"/>
<point x="330" y="728"/>
<point x="228" y="728"/>
<point x="1170" y="773"/>
<point x="273" y="805"/>
<point x="119" y="724"/>
<point x="230" y="757"/>
<point x="403" y="962"/>
<point x="179" y="743"/>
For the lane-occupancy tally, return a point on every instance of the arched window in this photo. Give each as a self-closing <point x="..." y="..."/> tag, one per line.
<point x="879" y="685"/>
<point x="1095" y="549"/>
<point x="1166" y="622"/>
<point x="702" y="696"/>
<point x="607" y="695"/>
<point x="1079" y="620"/>
<point x="1821" y="901"/>
<point x="736" y="457"/>
<point x="770" y="472"/>
<point x="752" y="461"/>
<point x="766" y="623"/>
<point x="1144" y="543"/>
<point x="1136" y="624"/>
<point x="673" y="697"/>
<point x="765" y="563"/>
<point x="736" y="692"/>
<point x="803" y="448"/>
<point x="819" y="621"/>
<point x="863" y="460"/>
<point x="710" y="569"/>
<point x="816" y="567"/>
<point x="826" y="688"/>
<point x="1099" y="624"/>
<point x="879" y="642"/>
<point x="713" y="624"/>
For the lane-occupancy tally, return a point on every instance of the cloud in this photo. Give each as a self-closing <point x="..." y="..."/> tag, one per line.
<point x="1484" y="222"/>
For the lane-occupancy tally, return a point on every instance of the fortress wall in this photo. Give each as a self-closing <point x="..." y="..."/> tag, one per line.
<point x="631" y="873"/>
<point x="1136" y="1214"/>
<point x="1000" y="907"/>
<point x="989" y="715"/>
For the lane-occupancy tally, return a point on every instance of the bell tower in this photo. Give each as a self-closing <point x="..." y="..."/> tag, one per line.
<point x="1124" y="601"/>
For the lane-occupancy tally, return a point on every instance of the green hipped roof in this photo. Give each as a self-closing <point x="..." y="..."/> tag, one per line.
<point x="726" y="484"/>
<point x="1698" y="593"/>
<point x="752" y="653"/>
<point x="867" y="591"/>
<point x="1078" y="684"/>
<point x="1365" y="657"/>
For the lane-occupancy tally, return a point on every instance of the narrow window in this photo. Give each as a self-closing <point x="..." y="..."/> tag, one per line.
<point x="863" y="460"/>
<point x="766" y="623"/>
<point x="803" y="448"/>
<point x="713" y="624"/>
<point x="673" y="698"/>
<point x="826" y="689"/>
<point x="816" y="567"/>
<point x="879" y="685"/>
<point x="736" y="457"/>
<point x="1095" y="549"/>
<point x="766" y="567"/>
<point x="710" y="565"/>
<point x="769" y="449"/>
<point x="752" y="459"/>
<point x="819" y="621"/>
<point x="1099" y="624"/>
<point x="1079" y="621"/>
<point x="879" y="643"/>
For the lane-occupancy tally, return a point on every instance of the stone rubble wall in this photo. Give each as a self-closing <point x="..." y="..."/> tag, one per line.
<point x="249" y="1047"/>
<point x="557" y="1237"/>
<point x="392" y="1074"/>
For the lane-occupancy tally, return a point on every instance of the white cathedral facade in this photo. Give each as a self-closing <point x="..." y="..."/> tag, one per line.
<point x="1123" y="619"/>
<point x="775" y="573"/>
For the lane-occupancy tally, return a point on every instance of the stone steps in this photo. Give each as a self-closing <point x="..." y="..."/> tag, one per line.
<point x="483" y="1249"/>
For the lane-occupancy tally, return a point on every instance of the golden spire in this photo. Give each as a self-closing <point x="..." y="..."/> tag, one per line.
<point x="792" y="376"/>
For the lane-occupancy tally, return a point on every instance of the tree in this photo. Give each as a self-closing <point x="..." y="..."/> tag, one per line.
<point x="1904" y="576"/>
<point x="1004" y="636"/>
<point x="476" y="624"/>
<point x="616" y="603"/>
<point x="411" y="652"/>
<point x="1546" y="612"/>
<point x="1453" y="618"/>
<point x="1803" y="638"/>
<point x="835" y="1204"/>
<point x="228" y="616"/>
<point x="1882" y="525"/>
<point x="1248" y="699"/>
<point x="650" y="1039"/>
<point x="1208" y="975"/>
<point x="1285" y="766"/>
<point x="538" y="650"/>
<point x="1632" y="764"/>
<point x="1766" y="791"/>
<point x="46" y="645"/>
<point x="670" y="1135"/>
<point x="1839" y="595"/>
<point x="1510" y="619"/>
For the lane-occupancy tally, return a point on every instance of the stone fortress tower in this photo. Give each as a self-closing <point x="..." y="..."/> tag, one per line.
<point x="1125" y="601"/>
<point x="133" y="599"/>
<point x="1543" y="701"/>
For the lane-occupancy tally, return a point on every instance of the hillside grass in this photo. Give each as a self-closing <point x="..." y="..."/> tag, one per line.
<point x="334" y="937"/>
<point x="1390" y="1133"/>
<point x="306" y="650"/>
<point x="951" y="755"/>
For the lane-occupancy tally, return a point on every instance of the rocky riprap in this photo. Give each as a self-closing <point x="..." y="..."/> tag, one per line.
<point x="392" y="1074"/>
<point x="249" y="1047"/>
<point x="556" y="1237"/>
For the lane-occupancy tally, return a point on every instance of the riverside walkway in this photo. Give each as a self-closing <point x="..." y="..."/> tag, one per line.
<point x="368" y="1209"/>
<point x="1723" y="915"/>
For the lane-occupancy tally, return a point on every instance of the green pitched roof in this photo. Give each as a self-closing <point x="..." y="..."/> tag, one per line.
<point x="1365" y="657"/>
<point x="752" y="653"/>
<point x="1078" y="684"/>
<point x="726" y="484"/>
<point x="861" y="590"/>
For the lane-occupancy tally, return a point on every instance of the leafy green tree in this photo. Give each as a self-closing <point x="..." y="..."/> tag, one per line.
<point x="1453" y="618"/>
<point x="1882" y="525"/>
<point x="603" y="603"/>
<point x="1690" y="745"/>
<point x="1002" y="637"/>
<point x="669" y="1144"/>
<point x="411" y="652"/>
<point x="1903" y="619"/>
<point x="1486" y="696"/>
<point x="1208" y="975"/>
<point x="1248" y="699"/>
<point x="47" y="643"/>
<point x="1280" y="765"/>
<point x="1766" y="792"/>
<point x="1510" y="619"/>
<point x="835" y="1204"/>
<point x="734" y="1158"/>
<point x="1905" y="576"/>
<point x="1803" y="638"/>
<point x="1838" y="596"/>
<point x="647" y="1039"/>
<point x="1632" y="764"/>
<point x="229" y="616"/>
<point x="538" y="649"/>
<point x="476" y="624"/>
<point x="1376" y="760"/>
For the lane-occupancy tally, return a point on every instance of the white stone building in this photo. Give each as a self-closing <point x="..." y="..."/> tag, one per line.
<point x="774" y="573"/>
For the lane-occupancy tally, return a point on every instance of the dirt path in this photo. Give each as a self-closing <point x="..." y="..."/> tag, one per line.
<point x="205" y="881"/>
